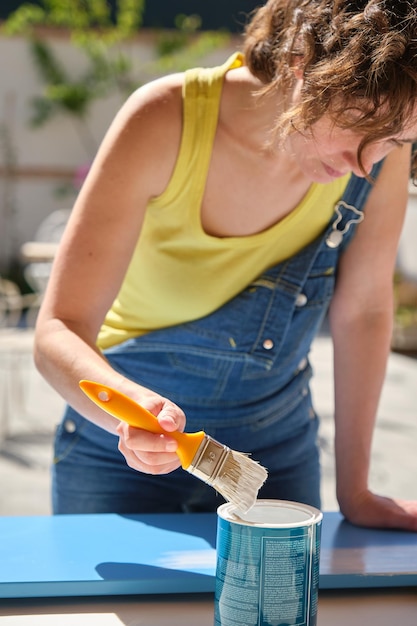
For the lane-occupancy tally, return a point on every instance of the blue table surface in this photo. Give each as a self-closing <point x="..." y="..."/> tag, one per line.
<point x="80" y="555"/>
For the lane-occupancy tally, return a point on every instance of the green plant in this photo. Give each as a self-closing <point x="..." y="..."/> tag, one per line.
<point x="177" y="50"/>
<point x="86" y="20"/>
<point x="99" y="33"/>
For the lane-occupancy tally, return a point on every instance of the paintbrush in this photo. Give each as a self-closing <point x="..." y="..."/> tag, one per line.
<point x="233" y="474"/>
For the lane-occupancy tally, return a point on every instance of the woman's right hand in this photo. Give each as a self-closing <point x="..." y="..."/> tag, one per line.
<point x="148" y="452"/>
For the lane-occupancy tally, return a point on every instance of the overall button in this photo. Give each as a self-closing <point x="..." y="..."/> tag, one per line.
<point x="301" y="299"/>
<point x="302" y="364"/>
<point x="334" y="239"/>
<point x="70" y="426"/>
<point x="268" y="344"/>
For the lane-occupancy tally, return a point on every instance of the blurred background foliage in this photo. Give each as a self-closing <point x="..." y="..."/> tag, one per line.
<point x="102" y="32"/>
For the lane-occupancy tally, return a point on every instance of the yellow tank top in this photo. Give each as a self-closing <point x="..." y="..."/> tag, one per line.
<point x="178" y="272"/>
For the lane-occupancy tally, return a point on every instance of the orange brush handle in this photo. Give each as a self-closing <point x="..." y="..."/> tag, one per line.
<point x="127" y="410"/>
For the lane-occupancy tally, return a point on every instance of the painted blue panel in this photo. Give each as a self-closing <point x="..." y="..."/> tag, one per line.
<point x="80" y="555"/>
<point x="362" y="557"/>
<point x="105" y="554"/>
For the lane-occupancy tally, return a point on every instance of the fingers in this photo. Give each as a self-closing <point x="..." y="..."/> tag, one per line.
<point x="402" y="514"/>
<point x="381" y="512"/>
<point x="147" y="452"/>
<point x="168" y="414"/>
<point x="169" y="421"/>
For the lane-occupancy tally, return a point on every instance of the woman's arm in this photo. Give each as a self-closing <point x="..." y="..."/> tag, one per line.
<point x="134" y="163"/>
<point x="361" y="316"/>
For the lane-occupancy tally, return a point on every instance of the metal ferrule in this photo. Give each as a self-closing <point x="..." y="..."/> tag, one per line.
<point x="209" y="460"/>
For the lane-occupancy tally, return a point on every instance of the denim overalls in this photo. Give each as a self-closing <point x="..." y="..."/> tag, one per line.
<point x="241" y="374"/>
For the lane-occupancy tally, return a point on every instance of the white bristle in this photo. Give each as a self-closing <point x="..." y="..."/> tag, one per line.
<point x="240" y="480"/>
<point x="233" y="474"/>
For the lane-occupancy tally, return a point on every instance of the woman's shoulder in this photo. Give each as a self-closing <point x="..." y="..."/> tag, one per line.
<point x="146" y="132"/>
<point x="159" y="100"/>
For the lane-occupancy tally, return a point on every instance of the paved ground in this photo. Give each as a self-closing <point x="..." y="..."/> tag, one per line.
<point x="30" y="409"/>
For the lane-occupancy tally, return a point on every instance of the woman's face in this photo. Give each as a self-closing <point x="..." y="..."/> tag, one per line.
<point x="326" y="151"/>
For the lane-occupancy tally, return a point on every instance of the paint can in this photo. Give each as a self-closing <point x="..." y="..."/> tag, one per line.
<point x="267" y="571"/>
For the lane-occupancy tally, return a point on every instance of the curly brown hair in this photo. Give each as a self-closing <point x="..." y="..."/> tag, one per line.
<point x="354" y="54"/>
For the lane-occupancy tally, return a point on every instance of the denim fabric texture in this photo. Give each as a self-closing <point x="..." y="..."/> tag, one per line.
<point x="241" y="374"/>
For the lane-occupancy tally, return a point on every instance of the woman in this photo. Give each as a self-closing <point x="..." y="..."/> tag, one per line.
<point x="208" y="242"/>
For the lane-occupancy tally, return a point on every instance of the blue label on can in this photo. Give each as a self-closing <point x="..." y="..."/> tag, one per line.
<point x="267" y="576"/>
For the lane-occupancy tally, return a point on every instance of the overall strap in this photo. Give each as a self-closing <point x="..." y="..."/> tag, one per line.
<point x="349" y="210"/>
<point x="348" y="213"/>
<point x="298" y="290"/>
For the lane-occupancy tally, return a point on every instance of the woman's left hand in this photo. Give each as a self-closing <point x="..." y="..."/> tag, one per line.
<point x="376" y="511"/>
